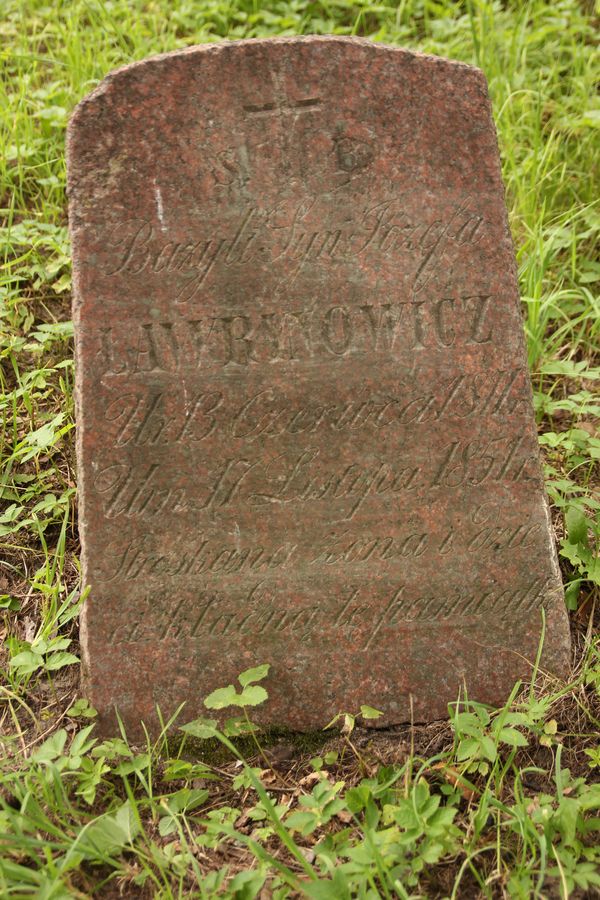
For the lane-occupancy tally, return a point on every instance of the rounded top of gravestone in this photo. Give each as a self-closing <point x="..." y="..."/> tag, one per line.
<point x="275" y="46"/>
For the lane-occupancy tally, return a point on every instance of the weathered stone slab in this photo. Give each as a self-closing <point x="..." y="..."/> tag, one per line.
<point x="305" y="422"/>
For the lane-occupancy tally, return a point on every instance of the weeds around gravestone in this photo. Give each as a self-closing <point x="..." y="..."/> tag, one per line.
<point x="522" y="832"/>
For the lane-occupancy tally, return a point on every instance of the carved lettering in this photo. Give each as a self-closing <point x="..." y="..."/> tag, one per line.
<point x="259" y="612"/>
<point x="395" y="330"/>
<point x="288" y="232"/>
<point x="298" y="478"/>
<point x="156" y="417"/>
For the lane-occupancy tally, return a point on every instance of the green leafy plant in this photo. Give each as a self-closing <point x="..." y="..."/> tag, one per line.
<point x="252" y="694"/>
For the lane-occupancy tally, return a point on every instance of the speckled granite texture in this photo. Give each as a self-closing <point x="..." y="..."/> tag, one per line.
<point x="305" y="430"/>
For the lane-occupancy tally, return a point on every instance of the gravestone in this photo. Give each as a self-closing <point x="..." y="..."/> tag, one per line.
<point x="305" y="428"/>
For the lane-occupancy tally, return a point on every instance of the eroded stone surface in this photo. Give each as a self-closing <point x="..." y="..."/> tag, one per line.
<point x="305" y="423"/>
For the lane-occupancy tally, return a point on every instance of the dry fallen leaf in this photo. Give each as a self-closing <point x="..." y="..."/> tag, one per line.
<point x="29" y="629"/>
<point x="311" y="778"/>
<point x="456" y="780"/>
<point x="307" y="853"/>
<point x="344" y="816"/>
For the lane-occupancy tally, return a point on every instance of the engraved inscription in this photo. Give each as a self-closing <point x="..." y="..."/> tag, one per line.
<point x="134" y="561"/>
<point x="347" y="549"/>
<point x="298" y="234"/>
<point x="157" y="417"/>
<point x="288" y="480"/>
<point x="139" y="560"/>
<point x="259" y="612"/>
<point x="475" y="461"/>
<point x="282" y="481"/>
<point x="393" y="330"/>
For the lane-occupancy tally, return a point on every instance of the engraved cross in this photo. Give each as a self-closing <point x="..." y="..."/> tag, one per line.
<point x="282" y="107"/>
<point x="287" y="112"/>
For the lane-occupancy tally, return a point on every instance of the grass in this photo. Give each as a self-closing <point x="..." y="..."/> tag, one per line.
<point x="490" y="803"/>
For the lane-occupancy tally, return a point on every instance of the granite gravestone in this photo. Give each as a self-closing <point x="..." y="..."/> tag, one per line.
<point x="305" y="429"/>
